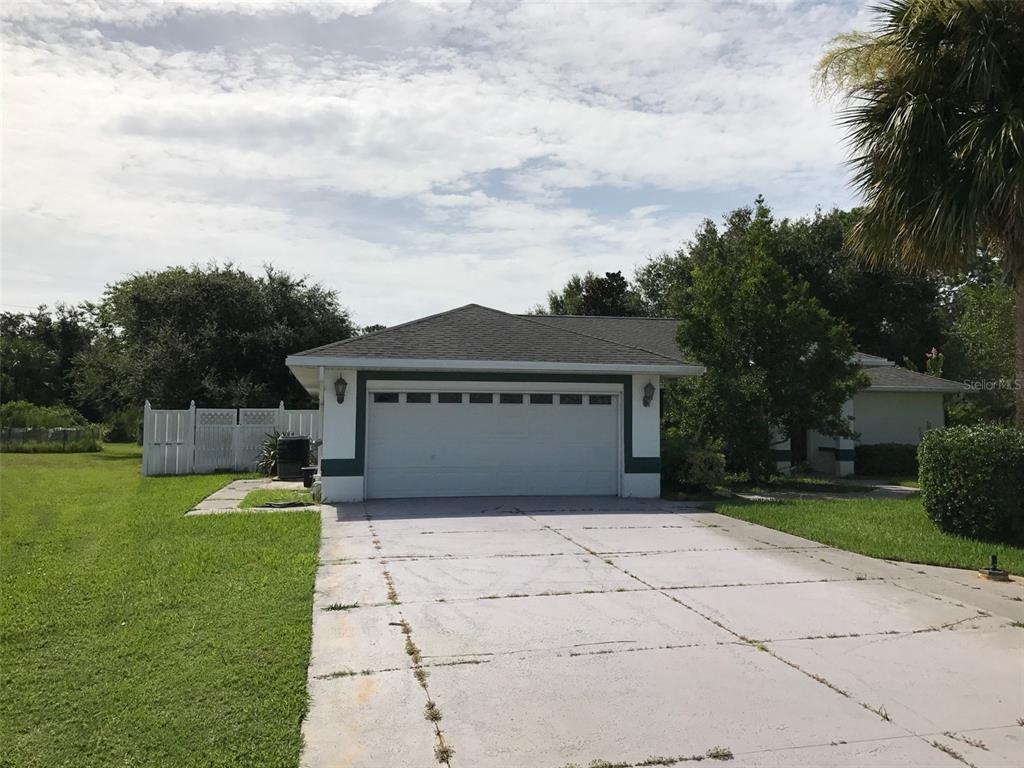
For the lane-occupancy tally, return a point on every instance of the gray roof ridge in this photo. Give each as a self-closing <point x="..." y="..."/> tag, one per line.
<point x="533" y="319"/>
<point x="608" y="317"/>
<point x="389" y="328"/>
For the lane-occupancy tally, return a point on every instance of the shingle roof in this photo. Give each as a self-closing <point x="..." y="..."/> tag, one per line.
<point x="474" y="332"/>
<point x="894" y="377"/>
<point x="656" y="334"/>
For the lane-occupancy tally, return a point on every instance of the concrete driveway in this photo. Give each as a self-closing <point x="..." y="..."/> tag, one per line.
<point x="549" y="632"/>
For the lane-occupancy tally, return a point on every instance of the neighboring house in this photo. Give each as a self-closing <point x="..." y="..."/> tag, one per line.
<point x="477" y="402"/>
<point x="899" y="406"/>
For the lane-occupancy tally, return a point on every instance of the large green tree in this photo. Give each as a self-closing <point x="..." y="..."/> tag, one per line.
<point x="935" y="113"/>
<point x="216" y="335"/>
<point x="38" y="350"/>
<point x="776" y="361"/>
<point x="980" y="352"/>
<point x="590" y="294"/>
<point x="889" y="310"/>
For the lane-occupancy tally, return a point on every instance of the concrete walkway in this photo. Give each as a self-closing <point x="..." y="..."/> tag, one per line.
<point x="511" y="632"/>
<point x="228" y="498"/>
<point x="871" y="490"/>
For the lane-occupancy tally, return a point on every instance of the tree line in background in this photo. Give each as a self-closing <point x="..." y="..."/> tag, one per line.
<point x="216" y="335"/>
<point x="776" y="310"/>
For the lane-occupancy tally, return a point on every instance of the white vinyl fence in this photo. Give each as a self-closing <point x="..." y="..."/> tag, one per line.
<point x="195" y="440"/>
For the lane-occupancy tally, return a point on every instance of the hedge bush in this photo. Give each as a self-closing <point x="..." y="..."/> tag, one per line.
<point x="689" y="465"/>
<point x="972" y="481"/>
<point x="23" y="414"/>
<point x="886" y="459"/>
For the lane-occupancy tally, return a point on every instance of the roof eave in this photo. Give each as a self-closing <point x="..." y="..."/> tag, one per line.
<point x="950" y="390"/>
<point x="668" y="370"/>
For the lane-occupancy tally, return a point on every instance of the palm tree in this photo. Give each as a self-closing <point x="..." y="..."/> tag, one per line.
<point x="934" y="109"/>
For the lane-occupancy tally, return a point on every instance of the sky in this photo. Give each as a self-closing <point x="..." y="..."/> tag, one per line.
<point x="413" y="157"/>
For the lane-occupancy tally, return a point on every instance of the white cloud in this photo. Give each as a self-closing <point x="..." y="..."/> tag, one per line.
<point x="412" y="171"/>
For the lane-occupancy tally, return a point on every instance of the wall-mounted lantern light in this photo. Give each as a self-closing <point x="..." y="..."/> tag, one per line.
<point x="339" y="389"/>
<point x="648" y="394"/>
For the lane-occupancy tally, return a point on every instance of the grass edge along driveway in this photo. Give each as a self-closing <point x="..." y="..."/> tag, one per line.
<point x="131" y="635"/>
<point x="896" y="529"/>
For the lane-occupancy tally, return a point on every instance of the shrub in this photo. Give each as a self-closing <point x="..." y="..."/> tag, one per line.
<point x="972" y="480"/>
<point x="689" y="465"/>
<point x="20" y="413"/>
<point x="123" y="426"/>
<point x="886" y="459"/>
<point x="266" y="462"/>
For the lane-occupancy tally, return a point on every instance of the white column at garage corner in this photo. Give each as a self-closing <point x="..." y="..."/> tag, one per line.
<point x="646" y="437"/>
<point x="340" y="435"/>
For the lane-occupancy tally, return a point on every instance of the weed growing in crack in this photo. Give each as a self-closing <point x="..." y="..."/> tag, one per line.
<point x="339" y="673"/>
<point x="976" y="743"/>
<point x="880" y="711"/>
<point x="950" y="751"/>
<point x="392" y="592"/>
<point x="341" y="606"/>
<point x="433" y="714"/>
<point x="443" y="752"/>
<point x="412" y="651"/>
<point x="715" y="753"/>
<point x="827" y="684"/>
<point x="421" y="676"/>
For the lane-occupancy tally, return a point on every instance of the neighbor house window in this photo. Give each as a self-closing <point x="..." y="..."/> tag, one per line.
<point x="449" y="397"/>
<point x="481" y="397"/>
<point x="417" y="397"/>
<point x="570" y="399"/>
<point x="541" y="399"/>
<point x="385" y="397"/>
<point x="507" y="397"/>
<point x="600" y="399"/>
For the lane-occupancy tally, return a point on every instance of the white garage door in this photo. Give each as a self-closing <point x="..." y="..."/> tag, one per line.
<point x="480" y="444"/>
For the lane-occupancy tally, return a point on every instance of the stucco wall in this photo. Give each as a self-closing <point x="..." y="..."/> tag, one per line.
<point x="896" y="417"/>
<point x="339" y="440"/>
<point x="646" y="421"/>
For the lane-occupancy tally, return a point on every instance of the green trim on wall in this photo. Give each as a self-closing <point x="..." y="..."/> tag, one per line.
<point x="339" y="468"/>
<point x="845" y="454"/>
<point x="644" y="465"/>
<point x="356" y="467"/>
<point x="781" y="454"/>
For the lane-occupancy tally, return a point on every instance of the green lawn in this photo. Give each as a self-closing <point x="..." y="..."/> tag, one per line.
<point x="263" y="496"/>
<point x="891" y="529"/>
<point x="133" y="636"/>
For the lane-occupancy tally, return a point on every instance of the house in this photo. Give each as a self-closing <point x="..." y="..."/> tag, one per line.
<point x="478" y="402"/>
<point x="899" y="406"/>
